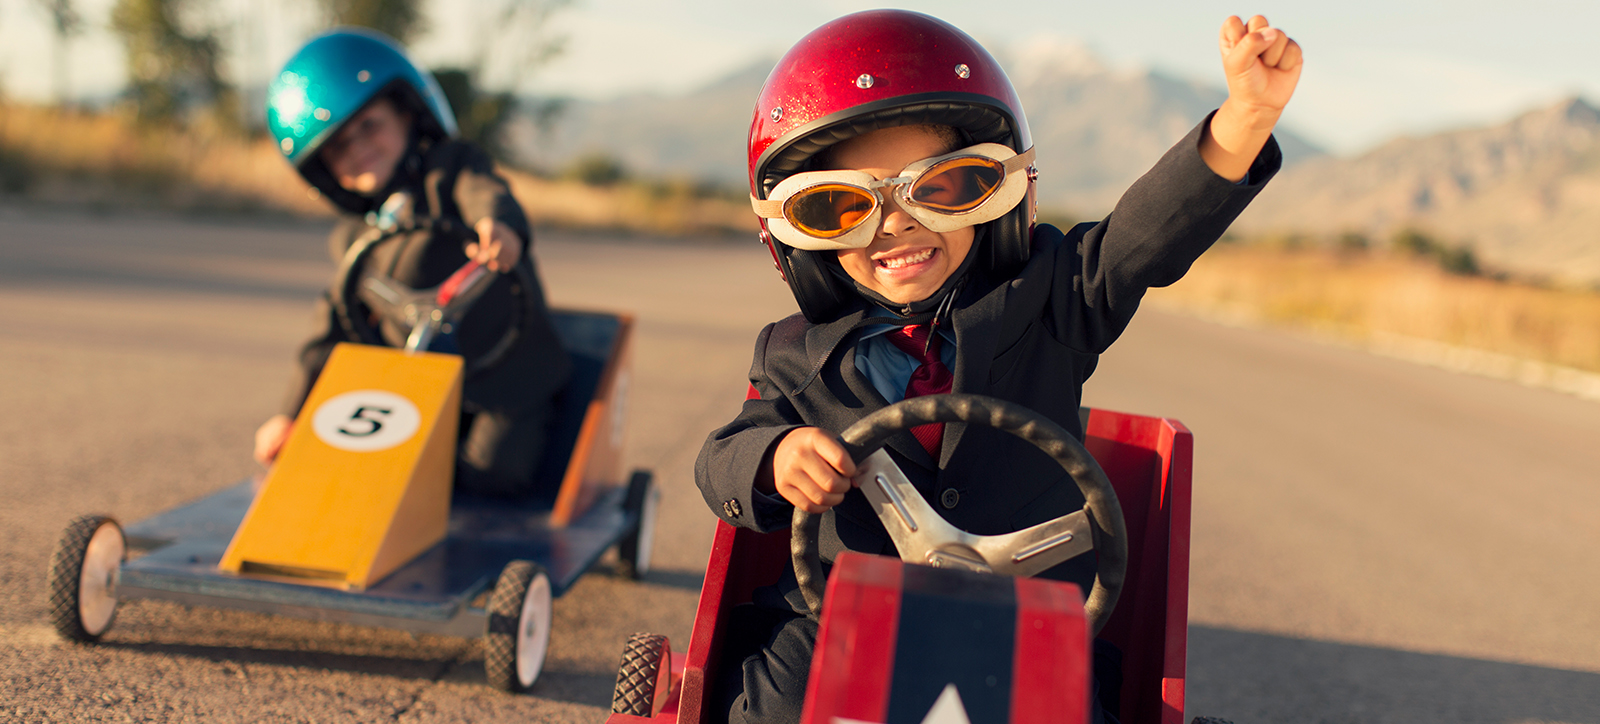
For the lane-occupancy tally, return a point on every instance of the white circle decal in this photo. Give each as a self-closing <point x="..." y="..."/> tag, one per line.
<point x="366" y="420"/>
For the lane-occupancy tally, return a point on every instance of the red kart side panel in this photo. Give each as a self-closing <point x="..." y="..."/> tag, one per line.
<point x="856" y="640"/>
<point x="1050" y="622"/>
<point x="1150" y="463"/>
<point x="741" y="561"/>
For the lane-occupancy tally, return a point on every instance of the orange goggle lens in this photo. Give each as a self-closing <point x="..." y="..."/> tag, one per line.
<point x="829" y="210"/>
<point x="957" y="185"/>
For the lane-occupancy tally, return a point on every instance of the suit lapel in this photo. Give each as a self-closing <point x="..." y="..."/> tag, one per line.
<point x="977" y="329"/>
<point x="903" y="442"/>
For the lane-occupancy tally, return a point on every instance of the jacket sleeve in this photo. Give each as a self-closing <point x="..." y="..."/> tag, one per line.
<point x="1160" y="226"/>
<point x="728" y="462"/>
<point x="481" y="192"/>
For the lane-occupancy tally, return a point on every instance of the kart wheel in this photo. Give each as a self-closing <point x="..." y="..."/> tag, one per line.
<point x="643" y="677"/>
<point x="633" y="551"/>
<point x="84" y="571"/>
<point x="1208" y="720"/>
<point x="518" y="630"/>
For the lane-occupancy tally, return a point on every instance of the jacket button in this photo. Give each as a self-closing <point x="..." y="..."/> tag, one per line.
<point x="732" y="508"/>
<point x="949" y="498"/>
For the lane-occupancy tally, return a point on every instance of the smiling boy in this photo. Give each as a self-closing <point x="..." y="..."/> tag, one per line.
<point x="892" y="166"/>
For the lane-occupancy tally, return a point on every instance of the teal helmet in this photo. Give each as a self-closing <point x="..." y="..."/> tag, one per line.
<point x="330" y="79"/>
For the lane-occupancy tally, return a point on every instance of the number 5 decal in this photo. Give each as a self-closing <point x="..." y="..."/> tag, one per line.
<point x="372" y="416"/>
<point x="366" y="420"/>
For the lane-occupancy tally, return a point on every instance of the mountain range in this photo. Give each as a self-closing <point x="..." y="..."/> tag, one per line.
<point x="1096" y="128"/>
<point x="1523" y="195"/>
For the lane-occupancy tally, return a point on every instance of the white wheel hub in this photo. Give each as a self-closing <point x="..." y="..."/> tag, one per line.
<point x="97" y="583"/>
<point x="533" y="630"/>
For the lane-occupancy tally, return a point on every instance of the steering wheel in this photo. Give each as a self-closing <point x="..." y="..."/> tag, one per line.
<point x="923" y="536"/>
<point x="426" y="312"/>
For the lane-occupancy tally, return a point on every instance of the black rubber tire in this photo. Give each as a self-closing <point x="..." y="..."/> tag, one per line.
<point x="633" y="551"/>
<point x="639" y="676"/>
<point x="66" y="576"/>
<point x="502" y="634"/>
<point x="1208" y="720"/>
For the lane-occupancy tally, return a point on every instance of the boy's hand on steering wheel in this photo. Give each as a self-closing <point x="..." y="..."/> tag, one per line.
<point x="810" y="469"/>
<point x="497" y="247"/>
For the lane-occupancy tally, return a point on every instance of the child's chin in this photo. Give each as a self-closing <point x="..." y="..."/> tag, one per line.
<point x="907" y="293"/>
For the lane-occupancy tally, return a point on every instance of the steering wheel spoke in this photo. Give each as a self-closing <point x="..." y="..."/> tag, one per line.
<point x="1034" y="550"/>
<point x="915" y="527"/>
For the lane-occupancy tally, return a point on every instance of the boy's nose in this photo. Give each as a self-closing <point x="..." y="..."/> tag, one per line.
<point x="895" y="219"/>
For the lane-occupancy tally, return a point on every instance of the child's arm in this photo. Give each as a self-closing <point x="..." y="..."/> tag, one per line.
<point x="487" y="204"/>
<point x="1262" y="66"/>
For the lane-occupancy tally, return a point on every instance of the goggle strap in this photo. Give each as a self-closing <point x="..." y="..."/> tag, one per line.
<point x="768" y="208"/>
<point x="1019" y="162"/>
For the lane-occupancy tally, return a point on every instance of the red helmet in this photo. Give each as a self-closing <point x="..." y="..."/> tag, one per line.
<point x="873" y="70"/>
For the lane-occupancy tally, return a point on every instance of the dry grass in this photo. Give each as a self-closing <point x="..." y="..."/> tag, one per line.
<point x="1364" y="297"/>
<point x="106" y="160"/>
<point x="644" y="208"/>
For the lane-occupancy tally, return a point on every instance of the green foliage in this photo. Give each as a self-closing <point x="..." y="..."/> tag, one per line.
<point x="597" y="169"/>
<point x="173" y="67"/>
<point x="1413" y="242"/>
<point x="399" y="19"/>
<point x="482" y="116"/>
<point x="66" y="22"/>
<point x="1453" y="259"/>
<point x="1459" y="261"/>
<point x="1353" y="241"/>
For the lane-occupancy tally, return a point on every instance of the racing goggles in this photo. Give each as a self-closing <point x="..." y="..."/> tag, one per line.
<point x="826" y="210"/>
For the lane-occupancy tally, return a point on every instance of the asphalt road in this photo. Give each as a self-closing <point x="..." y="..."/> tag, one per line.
<point x="1373" y="541"/>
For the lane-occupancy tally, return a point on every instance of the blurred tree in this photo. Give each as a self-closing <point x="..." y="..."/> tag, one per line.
<point x="597" y="169"/>
<point x="1413" y="242"/>
<point x="399" y="19"/>
<point x="1353" y="241"/>
<point x="66" y="22"/>
<point x="514" y="40"/>
<point x="173" y="65"/>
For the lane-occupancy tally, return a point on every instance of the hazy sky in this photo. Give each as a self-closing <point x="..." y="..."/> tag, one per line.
<point x="1375" y="68"/>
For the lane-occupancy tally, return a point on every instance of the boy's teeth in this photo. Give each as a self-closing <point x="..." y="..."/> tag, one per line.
<point x="907" y="260"/>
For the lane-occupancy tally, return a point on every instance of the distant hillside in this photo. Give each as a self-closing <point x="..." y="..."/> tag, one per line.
<point x="1096" y="128"/>
<point x="1523" y="195"/>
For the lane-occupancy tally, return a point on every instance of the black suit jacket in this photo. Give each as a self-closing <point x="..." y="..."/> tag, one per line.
<point x="1032" y="339"/>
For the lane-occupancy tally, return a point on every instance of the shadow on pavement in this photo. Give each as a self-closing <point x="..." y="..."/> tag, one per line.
<point x="1252" y="677"/>
<point x="391" y="666"/>
<point x="682" y="580"/>
<point x="462" y="666"/>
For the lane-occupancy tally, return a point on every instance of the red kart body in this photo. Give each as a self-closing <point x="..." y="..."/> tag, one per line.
<point x="1149" y="461"/>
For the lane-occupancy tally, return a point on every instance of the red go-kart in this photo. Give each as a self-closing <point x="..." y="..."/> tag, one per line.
<point x="956" y="631"/>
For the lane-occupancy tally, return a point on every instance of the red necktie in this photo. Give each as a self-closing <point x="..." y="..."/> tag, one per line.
<point x="931" y="377"/>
